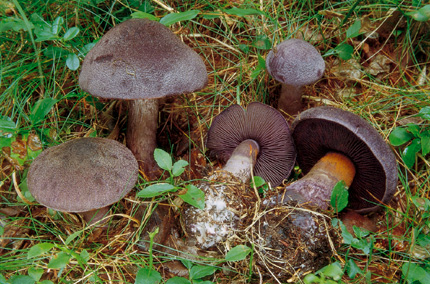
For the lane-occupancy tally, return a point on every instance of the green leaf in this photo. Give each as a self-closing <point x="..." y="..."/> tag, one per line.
<point x="71" y="33"/>
<point x="39" y="249"/>
<point x="262" y="42"/>
<point x="420" y="15"/>
<point x="73" y="236"/>
<point x="13" y="23"/>
<point x="170" y="19"/>
<point x="72" y="61"/>
<point x="354" y="29"/>
<point x="237" y="253"/>
<point x="413" y="129"/>
<point x="35" y="273"/>
<point x="352" y="269"/>
<point x="56" y="25"/>
<point x="410" y="152"/>
<point x="147" y="276"/>
<point x="85" y="256"/>
<point x="6" y="124"/>
<point x="400" y="136"/>
<point x="163" y="159"/>
<point x="155" y="190"/>
<point x="425" y="113"/>
<point x="243" y="12"/>
<point x="333" y="270"/>
<point x="339" y="196"/>
<point x="143" y="15"/>
<point x="425" y="143"/>
<point x="46" y="282"/>
<point x="41" y="108"/>
<point x="179" y="167"/>
<point x="359" y="232"/>
<point x="257" y="181"/>
<point x="59" y="261"/>
<point x="413" y="272"/>
<point x="194" y="196"/>
<point x="178" y="280"/>
<point x="21" y="279"/>
<point x="344" y="51"/>
<point x="200" y="271"/>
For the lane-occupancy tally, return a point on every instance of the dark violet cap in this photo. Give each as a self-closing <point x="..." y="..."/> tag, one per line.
<point x="320" y="130"/>
<point x="263" y="124"/>
<point x="141" y="59"/>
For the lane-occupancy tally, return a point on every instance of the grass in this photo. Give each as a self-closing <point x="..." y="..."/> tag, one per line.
<point x="233" y="47"/>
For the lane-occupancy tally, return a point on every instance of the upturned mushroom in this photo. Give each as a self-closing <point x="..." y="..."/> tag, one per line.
<point x="84" y="176"/>
<point x="334" y="145"/>
<point x="294" y="63"/>
<point x="256" y="139"/>
<point x="142" y="60"/>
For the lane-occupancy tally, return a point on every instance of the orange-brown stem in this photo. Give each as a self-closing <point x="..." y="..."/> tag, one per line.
<point x="317" y="185"/>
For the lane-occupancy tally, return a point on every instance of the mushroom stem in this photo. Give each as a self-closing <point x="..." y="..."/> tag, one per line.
<point x="317" y="185"/>
<point x="95" y="215"/>
<point x="290" y="100"/>
<point x="242" y="160"/>
<point x="141" y="133"/>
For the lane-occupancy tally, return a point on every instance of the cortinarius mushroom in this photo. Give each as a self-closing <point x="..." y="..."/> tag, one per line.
<point x="84" y="175"/>
<point x="141" y="60"/>
<point x="266" y="127"/>
<point x="258" y="138"/>
<point x="295" y="63"/>
<point x="333" y="145"/>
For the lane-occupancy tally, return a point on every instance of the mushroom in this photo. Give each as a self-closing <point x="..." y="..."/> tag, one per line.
<point x="295" y="63"/>
<point x="142" y="60"/>
<point x="84" y="175"/>
<point x="266" y="127"/>
<point x="256" y="138"/>
<point x="333" y="145"/>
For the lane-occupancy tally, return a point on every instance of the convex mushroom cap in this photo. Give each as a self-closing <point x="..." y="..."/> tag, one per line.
<point x="141" y="59"/>
<point x="294" y="63"/>
<point x="82" y="175"/>
<point x="322" y="130"/>
<point x="263" y="124"/>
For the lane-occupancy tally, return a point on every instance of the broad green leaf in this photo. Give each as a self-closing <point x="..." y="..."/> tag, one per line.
<point x="39" y="249"/>
<point x="155" y="190"/>
<point x="352" y="269"/>
<point x="71" y="33"/>
<point x="178" y="280"/>
<point x="257" y="181"/>
<point x="339" y="196"/>
<point x="243" y="12"/>
<point x="72" y="61"/>
<point x="425" y="113"/>
<point x="56" y="25"/>
<point x="238" y="253"/>
<point x="147" y="276"/>
<point x="414" y="129"/>
<point x="21" y="279"/>
<point x="179" y="167"/>
<point x="13" y="23"/>
<point x="425" y="143"/>
<point x="359" y="232"/>
<point x="35" y="273"/>
<point x="400" y="136"/>
<point x="262" y="42"/>
<point x="354" y="29"/>
<point x="41" y="108"/>
<point x="347" y="236"/>
<point x="55" y="52"/>
<point x="143" y="15"/>
<point x="194" y="196"/>
<point x="344" y="51"/>
<point x="86" y="48"/>
<point x="187" y="263"/>
<point x="172" y="18"/>
<point x="413" y="272"/>
<point x="333" y="270"/>
<point x="200" y="271"/>
<point x="85" y="256"/>
<point x="311" y="278"/>
<point x="410" y="152"/>
<point x="46" y="282"/>
<point x="59" y="261"/>
<point x="163" y="159"/>
<point x="420" y="15"/>
<point x="6" y="124"/>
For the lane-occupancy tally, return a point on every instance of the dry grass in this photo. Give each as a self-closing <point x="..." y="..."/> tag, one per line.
<point x="392" y="85"/>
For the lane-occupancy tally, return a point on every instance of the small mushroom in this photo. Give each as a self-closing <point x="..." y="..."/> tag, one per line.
<point x="142" y="61"/>
<point x="295" y="63"/>
<point x="256" y="138"/>
<point x="262" y="124"/>
<point x="333" y="145"/>
<point x="84" y="175"/>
